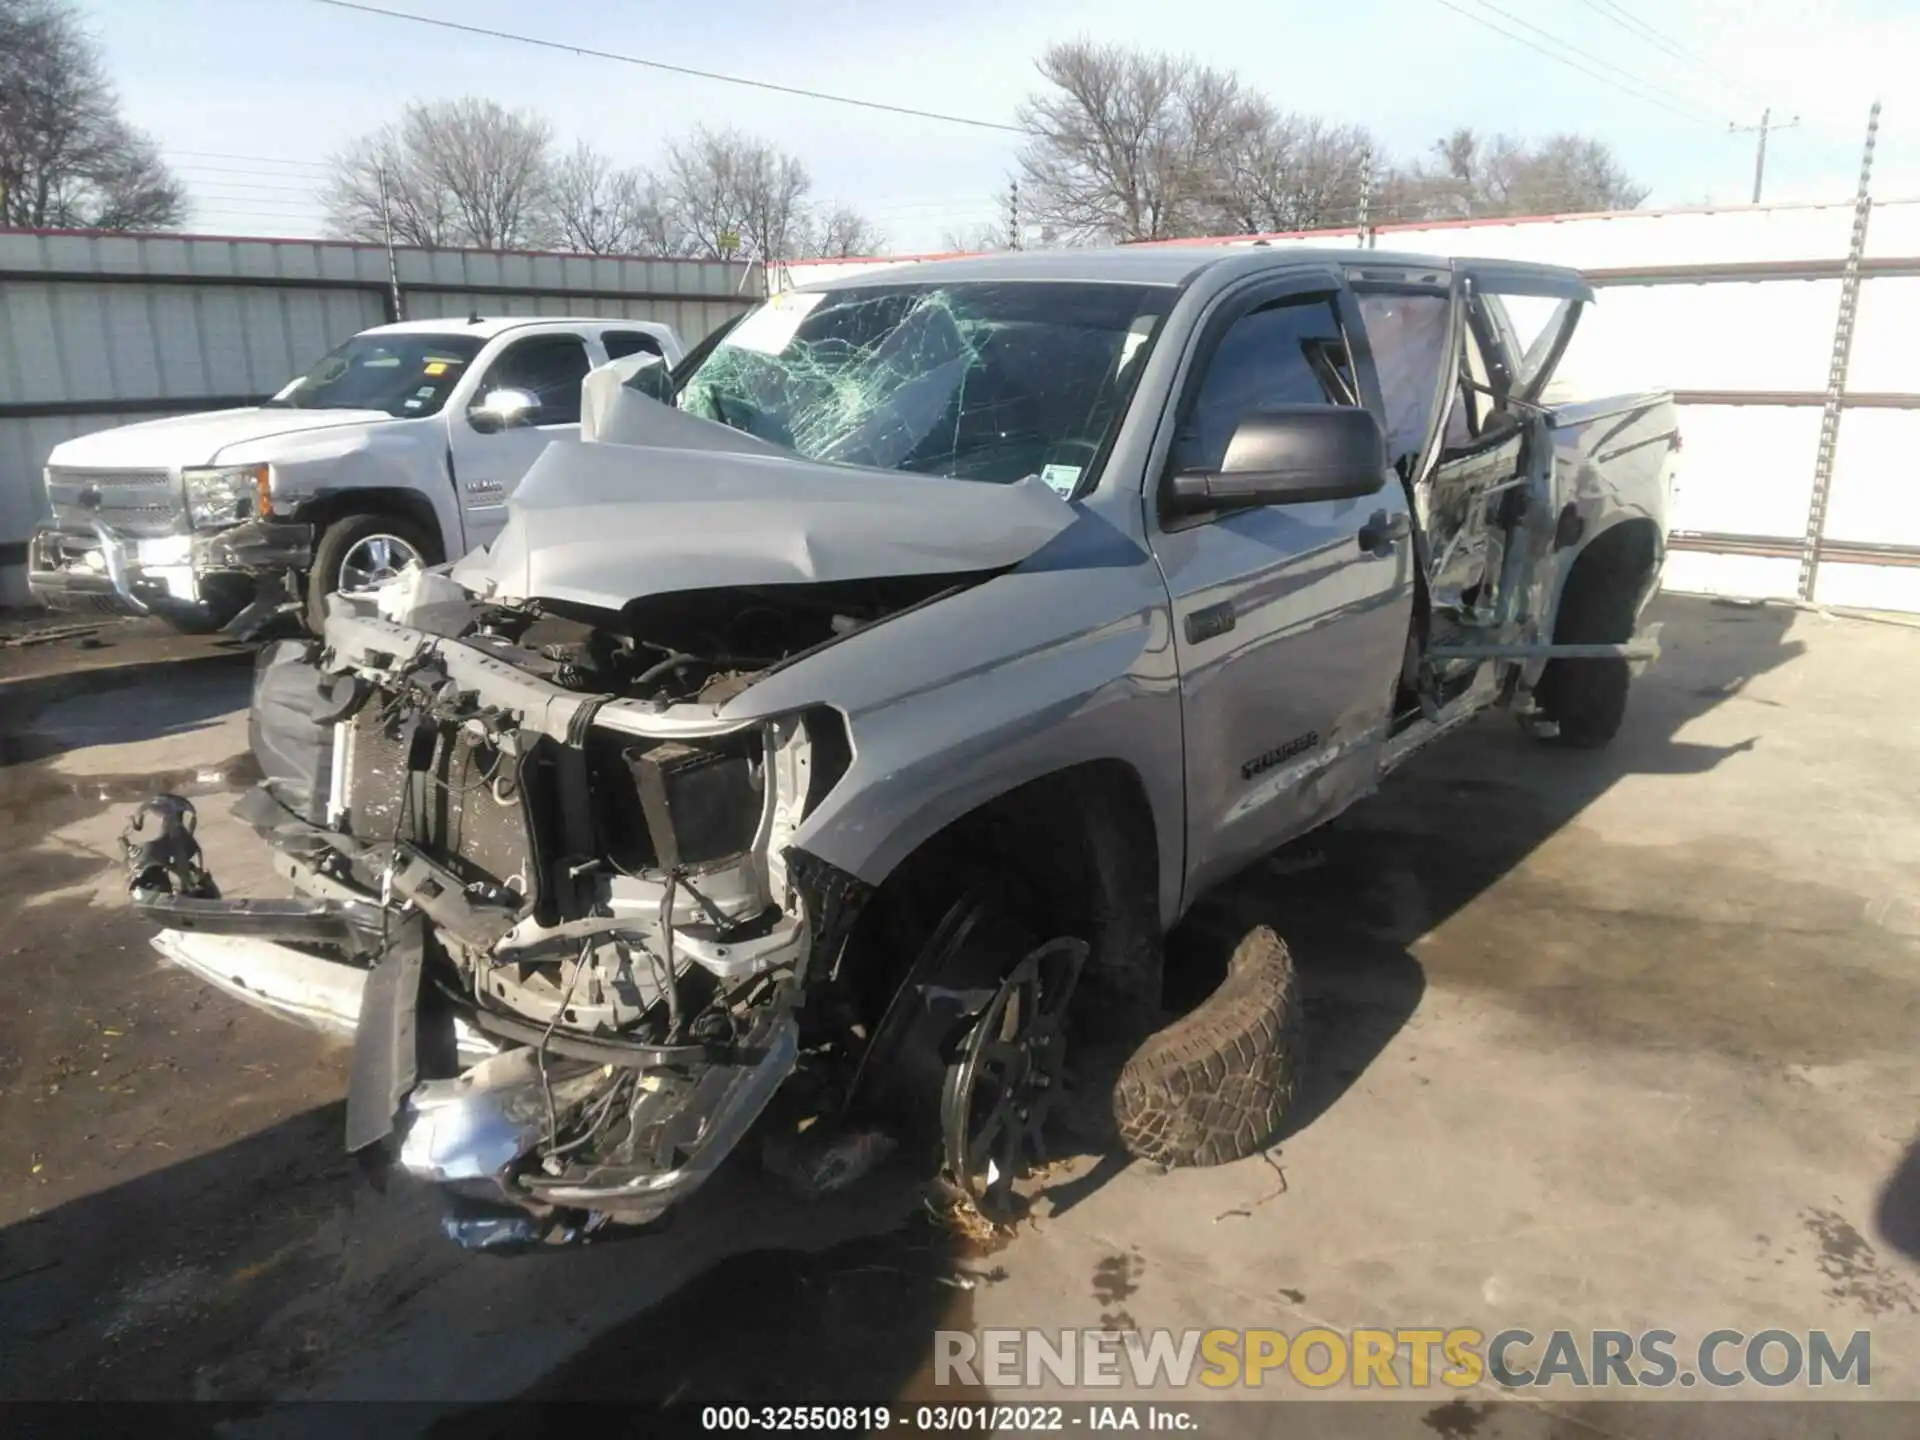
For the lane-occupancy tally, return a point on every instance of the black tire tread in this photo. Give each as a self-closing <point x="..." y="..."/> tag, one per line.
<point x="1587" y="699"/>
<point x="1215" y="1085"/>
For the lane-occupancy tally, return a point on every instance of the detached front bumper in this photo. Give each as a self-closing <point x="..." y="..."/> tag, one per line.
<point x="486" y="1134"/>
<point x="198" y="578"/>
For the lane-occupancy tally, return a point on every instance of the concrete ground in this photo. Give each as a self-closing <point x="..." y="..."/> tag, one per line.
<point x="1620" y="1040"/>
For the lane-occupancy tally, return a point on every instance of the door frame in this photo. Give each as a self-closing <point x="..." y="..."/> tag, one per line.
<point x="1203" y="339"/>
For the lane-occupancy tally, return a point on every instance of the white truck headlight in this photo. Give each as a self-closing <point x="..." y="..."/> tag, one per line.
<point x="224" y="494"/>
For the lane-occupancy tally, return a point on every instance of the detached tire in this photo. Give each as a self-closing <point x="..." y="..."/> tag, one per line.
<point x="1587" y="699"/>
<point x="1216" y="1085"/>
<point x="350" y="536"/>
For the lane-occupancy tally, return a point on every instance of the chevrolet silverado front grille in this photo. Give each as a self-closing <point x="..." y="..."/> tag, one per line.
<point x="138" y="503"/>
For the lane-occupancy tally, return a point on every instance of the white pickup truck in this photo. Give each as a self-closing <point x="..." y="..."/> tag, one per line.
<point x="400" y="447"/>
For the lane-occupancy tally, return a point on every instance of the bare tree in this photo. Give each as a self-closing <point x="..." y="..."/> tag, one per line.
<point x="377" y="182"/>
<point x="977" y="239"/>
<point x="67" y="158"/>
<point x="601" y="210"/>
<point x="455" y="172"/>
<point x="1292" y="172"/>
<point x="733" y="195"/>
<point x="839" y="231"/>
<point x="1465" y="175"/>
<point x="1130" y="145"/>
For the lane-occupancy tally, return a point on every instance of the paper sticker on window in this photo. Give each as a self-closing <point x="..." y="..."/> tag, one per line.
<point x="437" y="367"/>
<point x="411" y="404"/>
<point x="1061" y="479"/>
<point x="769" y="329"/>
<point x="425" y="392"/>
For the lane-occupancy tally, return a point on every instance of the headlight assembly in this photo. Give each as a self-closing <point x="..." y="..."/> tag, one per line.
<point x="225" y="494"/>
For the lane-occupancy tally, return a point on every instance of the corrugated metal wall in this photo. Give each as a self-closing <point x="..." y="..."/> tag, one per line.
<point x="1734" y="309"/>
<point x="103" y="330"/>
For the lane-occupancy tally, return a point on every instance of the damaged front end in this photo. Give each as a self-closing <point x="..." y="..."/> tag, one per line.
<point x="553" y="896"/>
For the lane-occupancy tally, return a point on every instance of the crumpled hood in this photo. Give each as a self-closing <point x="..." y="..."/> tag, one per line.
<point x="604" y="524"/>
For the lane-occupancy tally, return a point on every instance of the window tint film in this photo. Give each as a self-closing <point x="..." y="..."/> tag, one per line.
<point x="1291" y="353"/>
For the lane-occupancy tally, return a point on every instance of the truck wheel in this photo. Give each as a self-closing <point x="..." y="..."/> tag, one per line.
<point x="1215" y="1085"/>
<point x="1587" y="699"/>
<point x="358" y="552"/>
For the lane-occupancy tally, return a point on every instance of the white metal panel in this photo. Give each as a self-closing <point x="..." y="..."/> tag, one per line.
<point x="30" y="364"/>
<point x="1886" y="337"/>
<point x="1748" y="577"/>
<point x="1893" y="230"/>
<point x="1867" y="587"/>
<point x="180" y="336"/>
<point x="1746" y="469"/>
<point x="1735" y="336"/>
<point x="1876" y="478"/>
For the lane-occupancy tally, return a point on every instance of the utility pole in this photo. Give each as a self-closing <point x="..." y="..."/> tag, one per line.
<point x="393" y="264"/>
<point x="1837" y="367"/>
<point x="1760" y="157"/>
<point x="1365" y="237"/>
<point x="1013" y="214"/>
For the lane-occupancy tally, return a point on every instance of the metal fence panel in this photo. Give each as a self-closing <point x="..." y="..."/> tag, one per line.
<point x="1867" y="587"/>
<point x="1875" y="497"/>
<point x="1746" y="469"/>
<point x="1738" y="336"/>
<point x="1886" y="337"/>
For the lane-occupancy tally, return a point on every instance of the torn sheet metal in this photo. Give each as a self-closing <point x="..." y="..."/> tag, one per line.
<point x="321" y="994"/>
<point x="605" y="524"/>
<point x="613" y="412"/>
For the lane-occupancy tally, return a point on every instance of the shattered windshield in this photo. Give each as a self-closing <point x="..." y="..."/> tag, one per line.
<point x="990" y="381"/>
<point x="404" y="375"/>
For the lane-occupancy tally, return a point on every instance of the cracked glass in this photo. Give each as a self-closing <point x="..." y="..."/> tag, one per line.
<point x="990" y="381"/>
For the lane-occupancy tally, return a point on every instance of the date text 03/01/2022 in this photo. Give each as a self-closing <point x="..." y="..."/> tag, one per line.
<point x="937" y="1419"/>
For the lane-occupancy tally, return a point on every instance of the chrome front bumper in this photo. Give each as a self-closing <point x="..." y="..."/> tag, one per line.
<point x="97" y="570"/>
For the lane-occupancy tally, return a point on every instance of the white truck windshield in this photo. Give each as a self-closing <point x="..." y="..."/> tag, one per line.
<point x="404" y="375"/>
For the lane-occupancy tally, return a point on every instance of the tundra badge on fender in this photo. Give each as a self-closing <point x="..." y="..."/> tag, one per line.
<point x="1264" y="762"/>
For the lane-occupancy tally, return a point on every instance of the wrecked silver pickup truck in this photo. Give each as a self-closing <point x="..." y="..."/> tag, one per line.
<point x="867" y="701"/>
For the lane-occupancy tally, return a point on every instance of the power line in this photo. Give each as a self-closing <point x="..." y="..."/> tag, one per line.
<point x="1632" y="77"/>
<point x="1639" y="28"/>
<point x="1638" y="88"/>
<point x="570" y="49"/>
<point x="254" y="159"/>
<point x="251" y="186"/>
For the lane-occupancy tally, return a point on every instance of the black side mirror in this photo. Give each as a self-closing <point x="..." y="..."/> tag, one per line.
<point x="1288" y="455"/>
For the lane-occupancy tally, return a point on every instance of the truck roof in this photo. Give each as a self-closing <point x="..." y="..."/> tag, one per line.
<point x="1149" y="264"/>
<point x="488" y="326"/>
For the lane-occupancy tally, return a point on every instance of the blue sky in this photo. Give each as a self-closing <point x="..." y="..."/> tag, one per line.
<point x="248" y="97"/>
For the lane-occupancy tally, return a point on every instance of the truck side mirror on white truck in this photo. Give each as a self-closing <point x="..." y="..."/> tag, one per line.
<point x="499" y="410"/>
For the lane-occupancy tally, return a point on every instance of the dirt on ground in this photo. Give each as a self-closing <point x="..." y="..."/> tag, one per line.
<point x="1614" y="1036"/>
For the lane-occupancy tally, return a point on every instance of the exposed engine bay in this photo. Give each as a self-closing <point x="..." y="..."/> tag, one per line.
<point x="528" y="828"/>
<point x="698" y="646"/>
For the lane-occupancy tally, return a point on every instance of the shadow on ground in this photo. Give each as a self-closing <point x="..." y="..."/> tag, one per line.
<point x="119" y="697"/>
<point x="754" y="1297"/>
<point x="1353" y="900"/>
<point x="1898" y="1217"/>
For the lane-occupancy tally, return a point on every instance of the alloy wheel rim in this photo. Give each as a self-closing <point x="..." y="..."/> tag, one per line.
<point x="374" y="560"/>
